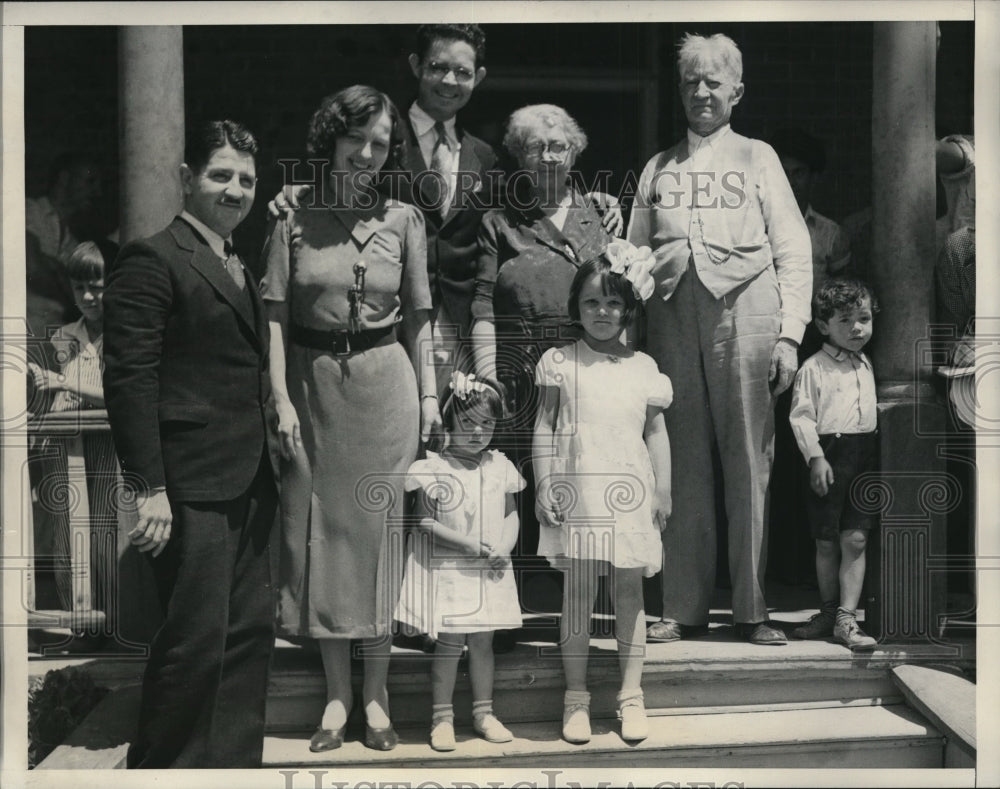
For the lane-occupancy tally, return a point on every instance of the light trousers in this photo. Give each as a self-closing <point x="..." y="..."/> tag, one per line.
<point x="717" y="354"/>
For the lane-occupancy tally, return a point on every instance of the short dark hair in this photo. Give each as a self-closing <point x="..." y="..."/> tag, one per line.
<point x="472" y="35"/>
<point x="611" y="283"/>
<point x="65" y="162"/>
<point x="88" y="260"/>
<point x="801" y="145"/>
<point x="841" y="293"/>
<point x="208" y="136"/>
<point x="488" y="400"/>
<point x="347" y="109"/>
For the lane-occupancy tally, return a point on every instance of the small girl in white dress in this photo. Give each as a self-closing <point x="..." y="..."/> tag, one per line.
<point x="459" y="584"/>
<point x="602" y="461"/>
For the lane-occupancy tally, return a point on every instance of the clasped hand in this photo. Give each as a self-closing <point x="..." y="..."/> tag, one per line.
<point x="498" y="562"/>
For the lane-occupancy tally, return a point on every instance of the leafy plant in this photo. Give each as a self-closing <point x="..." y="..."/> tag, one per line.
<point x="56" y="705"/>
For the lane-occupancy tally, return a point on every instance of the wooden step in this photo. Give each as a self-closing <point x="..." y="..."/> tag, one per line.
<point x="852" y="735"/>
<point x="948" y="701"/>
<point x="716" y="671"/>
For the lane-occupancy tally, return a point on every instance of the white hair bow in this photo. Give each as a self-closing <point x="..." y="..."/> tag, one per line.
<point x="636" y="263"/>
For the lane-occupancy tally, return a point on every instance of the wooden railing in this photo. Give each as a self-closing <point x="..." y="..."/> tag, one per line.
<point x="77" y="488"/>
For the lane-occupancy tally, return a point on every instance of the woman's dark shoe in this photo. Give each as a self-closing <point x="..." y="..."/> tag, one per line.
<point x="326" y="739"/>
<point x="381" y="739"/>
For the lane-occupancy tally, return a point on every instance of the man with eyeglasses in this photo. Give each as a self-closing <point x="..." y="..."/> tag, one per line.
<point x="453" y="177"/>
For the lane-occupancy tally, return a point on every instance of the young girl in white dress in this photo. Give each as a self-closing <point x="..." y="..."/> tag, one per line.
<point x="602" y="461"/>
<point x="459" y="584"/>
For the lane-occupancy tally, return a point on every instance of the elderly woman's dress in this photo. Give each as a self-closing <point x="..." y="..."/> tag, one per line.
<point x="524" y="272"/>
<point x="342" y="495"/>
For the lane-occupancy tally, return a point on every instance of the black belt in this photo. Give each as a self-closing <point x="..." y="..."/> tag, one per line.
<point x="343" y="342"/>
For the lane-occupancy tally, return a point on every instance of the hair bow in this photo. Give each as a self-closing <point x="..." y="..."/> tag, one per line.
<point x="635" y="263"/>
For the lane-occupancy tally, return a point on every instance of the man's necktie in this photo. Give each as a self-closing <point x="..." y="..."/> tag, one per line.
<point x="233" y="266"/>
<point x="441" y="162"/>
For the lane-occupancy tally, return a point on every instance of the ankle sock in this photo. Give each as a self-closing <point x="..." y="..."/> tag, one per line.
<point x="482" y="708"/>
<point x="441" y="713"/>
<point x="845" y="615"/>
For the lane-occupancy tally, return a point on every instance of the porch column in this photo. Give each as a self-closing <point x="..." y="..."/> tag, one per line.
<point x="151" y="112"/>
<point x="912" y="492"/>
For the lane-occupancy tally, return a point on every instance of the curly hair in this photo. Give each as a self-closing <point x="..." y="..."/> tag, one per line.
<point x="611" y="284"/>
<point x="348" y="109"/>
<point x="841" y="293"/>
<point x="472" y="35"/>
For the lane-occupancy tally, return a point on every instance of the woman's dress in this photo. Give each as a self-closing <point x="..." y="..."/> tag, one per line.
<point x="342" y="539"/>
<point x="601" y="470"/>
<point x="445" y="591"/>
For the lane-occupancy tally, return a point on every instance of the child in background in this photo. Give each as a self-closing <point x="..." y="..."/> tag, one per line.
<point x="79" y="345"/>
<point x="77" y="348"/>
<point x="602" y="461"/>
<point x="458" y="584"/>
<point x="833" y="418"/>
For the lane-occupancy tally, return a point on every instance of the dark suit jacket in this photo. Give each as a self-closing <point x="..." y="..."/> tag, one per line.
<point x="451" y="240"/>
<point x="185" y="379"/>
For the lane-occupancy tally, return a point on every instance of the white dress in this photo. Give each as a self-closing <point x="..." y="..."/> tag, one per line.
<point x="445" y="591"/>
<point x="601" y="466"/>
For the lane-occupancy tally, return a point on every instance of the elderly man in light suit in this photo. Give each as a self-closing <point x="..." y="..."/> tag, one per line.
<point x="733" y="282"/>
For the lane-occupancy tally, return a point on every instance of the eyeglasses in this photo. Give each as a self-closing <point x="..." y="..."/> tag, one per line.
<point x="538" y="148"/>
<point x="440" y="70"/>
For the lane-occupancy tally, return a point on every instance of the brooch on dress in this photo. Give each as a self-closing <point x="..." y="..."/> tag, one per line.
<point x="613" y="358"/>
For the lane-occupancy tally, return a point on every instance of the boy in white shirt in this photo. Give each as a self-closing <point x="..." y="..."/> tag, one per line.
<point x="833" y="418"/>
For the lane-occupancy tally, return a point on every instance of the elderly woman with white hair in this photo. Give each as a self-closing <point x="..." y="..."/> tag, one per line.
<point x="528" y="254"/>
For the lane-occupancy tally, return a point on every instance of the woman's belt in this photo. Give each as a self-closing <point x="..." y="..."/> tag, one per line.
<point x="343" y="342"/>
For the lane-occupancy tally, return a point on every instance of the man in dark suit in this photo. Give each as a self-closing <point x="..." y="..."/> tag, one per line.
<point x="186" y="382"/>
<point x="452" y="177"/>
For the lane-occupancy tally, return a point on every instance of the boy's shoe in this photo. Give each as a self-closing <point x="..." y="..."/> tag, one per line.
<point x="820" y="625"/>
<point x="853" y="637"/>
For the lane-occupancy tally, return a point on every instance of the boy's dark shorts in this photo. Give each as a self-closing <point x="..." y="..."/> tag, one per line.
<point x="849" y="455"/>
